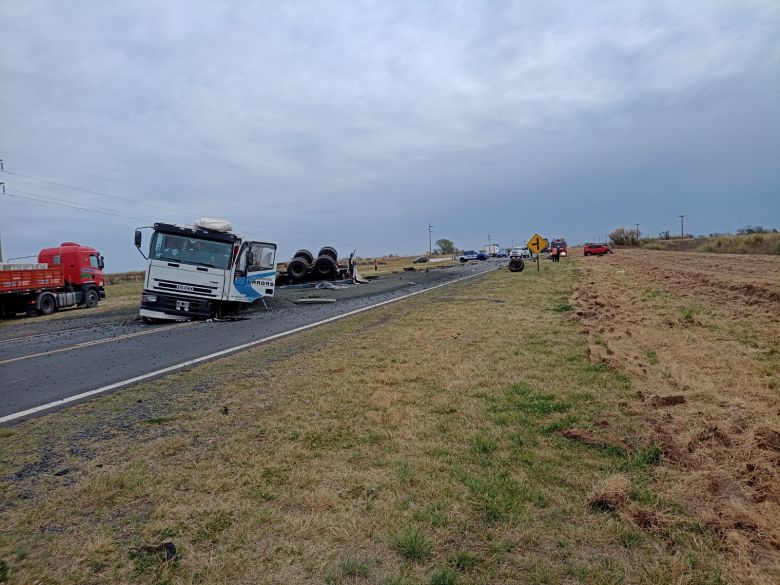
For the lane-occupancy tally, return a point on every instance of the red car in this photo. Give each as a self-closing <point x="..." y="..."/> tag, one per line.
<point x="596" y="249"/>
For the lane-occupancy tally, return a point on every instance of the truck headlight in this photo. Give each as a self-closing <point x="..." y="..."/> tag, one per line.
<point x="148" y="298"/>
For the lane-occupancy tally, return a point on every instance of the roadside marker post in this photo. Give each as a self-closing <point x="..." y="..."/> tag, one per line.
<point x="536" y="244"/>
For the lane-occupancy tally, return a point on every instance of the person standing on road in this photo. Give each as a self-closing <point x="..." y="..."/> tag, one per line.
<point x="554" y="253"/>
<point x="376" y="264"/>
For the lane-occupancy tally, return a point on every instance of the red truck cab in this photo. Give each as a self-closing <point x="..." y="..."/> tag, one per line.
<point x="81" y="265"/>
<point x="70" y="275"/>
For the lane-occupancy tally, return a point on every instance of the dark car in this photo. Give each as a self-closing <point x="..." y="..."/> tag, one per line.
<point x="482" y="256"/>
<point x="502" y="254"/>
<point x="421" y="260"/>
<point x="596" y="249"/>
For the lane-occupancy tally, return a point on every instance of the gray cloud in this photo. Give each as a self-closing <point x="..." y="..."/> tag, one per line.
<point x="359" y="122"/>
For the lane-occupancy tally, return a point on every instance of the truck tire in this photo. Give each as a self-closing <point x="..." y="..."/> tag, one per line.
<point x="91" y="298"/>
<point x="46" y="304"/>
<point x="306" y="255"/>
<point x="325" y="267"/>
<point x="516" y="265"/>
<point x="298" y="268"/>
<point x="329" y="251"/>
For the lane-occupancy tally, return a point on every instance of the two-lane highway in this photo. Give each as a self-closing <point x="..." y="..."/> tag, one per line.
<point x="45" y="370"/>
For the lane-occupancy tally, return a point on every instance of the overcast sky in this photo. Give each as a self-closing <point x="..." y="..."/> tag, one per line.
<point x="357" y="123"/>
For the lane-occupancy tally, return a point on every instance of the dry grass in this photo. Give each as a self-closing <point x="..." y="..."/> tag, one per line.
<point x="768" y="243"/>
<point x="699" y="337"/>
<point x="421" y="442"/>
<point x="394" y="264"/>
<point x="115" y="278"/>
<point x="611" y="494"/>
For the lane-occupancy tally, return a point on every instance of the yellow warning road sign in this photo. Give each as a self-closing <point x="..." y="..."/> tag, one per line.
<point x="537" y="243"/>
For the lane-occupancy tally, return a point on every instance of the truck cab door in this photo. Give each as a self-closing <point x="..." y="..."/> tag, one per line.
<point x="255" y="272"/>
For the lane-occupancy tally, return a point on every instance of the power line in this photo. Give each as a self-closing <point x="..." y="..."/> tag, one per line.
<point x="99" y="193"/>
<point x="39" y="198"/>
<point x="63" y="203"/>
<point x="75" y="170"/>
<point x="291" y="233"/>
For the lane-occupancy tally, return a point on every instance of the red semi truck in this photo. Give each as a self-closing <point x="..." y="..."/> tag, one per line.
<point x="66" y="276"/>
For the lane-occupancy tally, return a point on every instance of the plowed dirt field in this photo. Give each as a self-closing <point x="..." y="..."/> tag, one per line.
<point x="699" y="335"/>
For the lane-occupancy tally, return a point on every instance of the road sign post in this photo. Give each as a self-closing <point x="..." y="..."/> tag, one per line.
<point x="536" y="244"/>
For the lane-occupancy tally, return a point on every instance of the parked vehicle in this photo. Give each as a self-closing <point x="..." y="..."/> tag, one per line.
<point x="468" y="255"/>
<point x="69" y="275"/>
<point x="203" y="270"/>
<point x="482" y="256"/>
<point x="559" y="243"/>
<point x="596" y="249"/>
<point x="502" y="254"/>
<point x="420" y="260"/>
<point x="491" y="249"/>
<point x="520" y="252"/>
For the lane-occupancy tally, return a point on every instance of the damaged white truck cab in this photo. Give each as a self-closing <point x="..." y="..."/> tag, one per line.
<point x="204" y="270"/>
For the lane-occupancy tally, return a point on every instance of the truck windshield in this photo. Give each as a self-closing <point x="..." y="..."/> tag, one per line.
<point x="176" y="248"/>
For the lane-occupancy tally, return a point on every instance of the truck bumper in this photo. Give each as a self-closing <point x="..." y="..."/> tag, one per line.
<point x="160" y="316"/>
<point x="155" y="305"/>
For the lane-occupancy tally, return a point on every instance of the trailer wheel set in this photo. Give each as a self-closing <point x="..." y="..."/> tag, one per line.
<point x="304" y="266"/>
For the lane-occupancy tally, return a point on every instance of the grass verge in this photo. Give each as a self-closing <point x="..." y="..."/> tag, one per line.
<point x="423" y="442"/>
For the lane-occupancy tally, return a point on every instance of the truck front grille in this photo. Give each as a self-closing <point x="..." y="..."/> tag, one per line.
<point x="186" y="288"/>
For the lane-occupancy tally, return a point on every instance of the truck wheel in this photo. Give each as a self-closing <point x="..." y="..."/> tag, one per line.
<point x="306" y="255"/>
<point x="91" y="299"/>
<point x="297" y="268"/>
<point x="516" y="265"/>
<point x="47" y="305"/>
<point x="329" y="251"/>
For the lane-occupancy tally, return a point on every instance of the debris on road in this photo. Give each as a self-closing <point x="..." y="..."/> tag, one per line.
<point x="314" y="301"/>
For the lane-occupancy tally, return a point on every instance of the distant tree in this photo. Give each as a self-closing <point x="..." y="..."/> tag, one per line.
<point x="752" y="229"/>
<point x="665" y="235"/>
<point x="445" y="246"/>
<point x="623" y="237"/>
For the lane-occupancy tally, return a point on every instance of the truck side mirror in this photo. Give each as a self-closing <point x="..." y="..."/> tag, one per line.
<point x="101" y="263"/>
<point x="138" y="238"/>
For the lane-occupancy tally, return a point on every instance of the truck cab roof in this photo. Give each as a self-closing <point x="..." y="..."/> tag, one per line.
<point x="196" y="232"/>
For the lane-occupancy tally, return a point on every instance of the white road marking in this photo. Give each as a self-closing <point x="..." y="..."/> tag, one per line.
<point x="221" y="353"/>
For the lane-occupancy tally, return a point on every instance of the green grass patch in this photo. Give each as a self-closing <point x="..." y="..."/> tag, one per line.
<point x="345" y="570"/>
<point x="445" y="576"/>
<point x="412" y="544"/>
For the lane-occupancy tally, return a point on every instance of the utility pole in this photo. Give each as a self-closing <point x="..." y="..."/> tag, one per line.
<point x="682" y="226"/>
<point x="637" y="230"/>
<point x="430" y="244"/>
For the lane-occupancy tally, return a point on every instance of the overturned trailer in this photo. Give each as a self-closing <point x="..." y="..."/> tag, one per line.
<point x="304" y="267"/>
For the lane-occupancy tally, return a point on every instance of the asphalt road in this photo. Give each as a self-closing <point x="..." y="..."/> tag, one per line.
<point x="53" y="360"/>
